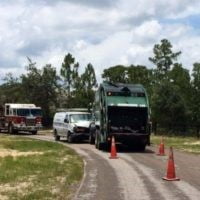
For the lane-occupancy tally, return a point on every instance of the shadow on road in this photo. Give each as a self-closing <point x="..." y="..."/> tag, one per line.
<point x="75" y="142"/>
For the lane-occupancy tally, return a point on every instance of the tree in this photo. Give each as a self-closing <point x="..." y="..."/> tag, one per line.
<point x="180" y="78"/>
<point x="10" y="90"/>
<point x="196" y="97"/>
<point x="140" y="75"/>
<point x="50" y="89"/>
<point x="89" y="77"/>
<point x="115" y="74"/>
<point x="163" y="58"/>
<point x="41" y="87"/>
<point x="31" y="83"/>
<point x="168" y="108"/>
<point x="83" y="94"/>
<point x="69" y="71"/>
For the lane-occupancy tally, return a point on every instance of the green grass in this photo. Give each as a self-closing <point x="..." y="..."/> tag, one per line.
<point x="49" y="172"/>
<point x="188" y="144"/>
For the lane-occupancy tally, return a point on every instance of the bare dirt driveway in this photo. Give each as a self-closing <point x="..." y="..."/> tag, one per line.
<point x="134" y="176"/>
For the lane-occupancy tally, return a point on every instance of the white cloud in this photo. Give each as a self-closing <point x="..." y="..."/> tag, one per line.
<point x="148" y="29"/>
<point x="107" y="53"/>
<point x="80" y="45"/>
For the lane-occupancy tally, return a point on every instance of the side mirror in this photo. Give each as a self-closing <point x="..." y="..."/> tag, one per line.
<point x="66" y="120"/>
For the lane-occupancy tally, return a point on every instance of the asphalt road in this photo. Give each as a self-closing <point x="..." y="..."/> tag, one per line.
<point x="134" y="176"/>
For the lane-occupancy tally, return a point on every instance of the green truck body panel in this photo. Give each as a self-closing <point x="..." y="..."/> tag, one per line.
<point x="122" y="110"/>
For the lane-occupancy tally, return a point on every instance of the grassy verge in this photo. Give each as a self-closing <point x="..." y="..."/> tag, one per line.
<point x="31" y="169"/>
<point x="188" y="144"/>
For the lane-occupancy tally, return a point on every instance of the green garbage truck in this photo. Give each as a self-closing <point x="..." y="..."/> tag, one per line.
<point x="122" y="111"/>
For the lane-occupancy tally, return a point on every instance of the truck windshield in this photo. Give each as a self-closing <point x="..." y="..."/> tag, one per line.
<point x="29" y="112"/>
<point x="36" y="112"/>
<point x="80" y="117"/>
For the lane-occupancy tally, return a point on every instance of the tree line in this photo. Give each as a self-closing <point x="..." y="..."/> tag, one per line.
<point x="174" y="92"/>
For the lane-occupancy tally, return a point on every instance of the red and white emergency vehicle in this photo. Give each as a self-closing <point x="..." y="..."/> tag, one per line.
<point x="20" y="117"/>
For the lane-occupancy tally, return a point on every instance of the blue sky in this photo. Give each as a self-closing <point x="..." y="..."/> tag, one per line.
<point x="105" y="33"/>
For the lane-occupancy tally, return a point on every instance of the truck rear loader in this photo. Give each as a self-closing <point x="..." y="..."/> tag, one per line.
<point x="122" y="111"/>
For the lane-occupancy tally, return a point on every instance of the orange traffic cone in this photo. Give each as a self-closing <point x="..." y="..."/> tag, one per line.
<point x="113" y="153"/>
<point x="161" y="148"/>
<point x="171" y="175"/>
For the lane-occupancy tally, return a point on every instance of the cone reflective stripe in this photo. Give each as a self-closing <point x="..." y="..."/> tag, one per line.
<point x="161" y="148"/>
<point x="113" y="152"/>
<point x="171" y="174"/>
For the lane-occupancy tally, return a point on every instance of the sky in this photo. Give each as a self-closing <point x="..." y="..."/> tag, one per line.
<point x="102" y="32"/>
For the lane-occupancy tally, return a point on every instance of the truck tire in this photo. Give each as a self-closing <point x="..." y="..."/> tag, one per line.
<point x="70" y="139"/>
<point x="92" y="134"/>
<point x="56" y="136"/>
<point x="99" y="145"/>
<point x="34" y="132"/>
<point x="91" y="139"/>
<point x="10" y="129"/>
<point x="96" y="142"/>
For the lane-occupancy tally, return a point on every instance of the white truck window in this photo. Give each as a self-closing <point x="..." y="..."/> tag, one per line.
<point x="80" y="117"/>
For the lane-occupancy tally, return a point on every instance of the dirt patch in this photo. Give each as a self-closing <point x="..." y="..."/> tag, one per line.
<point x="192" y="143"/>
<point x="3" y="197"/>
<point x="64" y="159"/>
<point x="192" y="150"/>
<point x="14" y="153"/>
<point x="45" y="132"/>
<point x="19" y="187"/>
<point x="61" y="179"/>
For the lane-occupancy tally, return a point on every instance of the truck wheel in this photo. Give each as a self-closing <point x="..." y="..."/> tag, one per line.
<point x="99" y="145"/>
<point x="10" y="129"/>
<point x="70" y="139"/>
<point x="56" y="136"/>
<point x="34" y="132"/>
<point x="96" y="140"/>
<point x="91" y="139"/>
